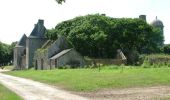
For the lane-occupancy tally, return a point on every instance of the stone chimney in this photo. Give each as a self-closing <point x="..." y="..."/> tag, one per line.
<point x="40" y="21"/>
<point x="143" y="17"/>
<point x="40" y="25"/>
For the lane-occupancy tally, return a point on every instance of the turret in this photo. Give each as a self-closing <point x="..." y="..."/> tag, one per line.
<point x="158" y="24"/>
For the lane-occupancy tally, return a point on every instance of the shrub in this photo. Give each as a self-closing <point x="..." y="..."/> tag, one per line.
<point x="166" y="49"/>
<point x="156" y="60"/>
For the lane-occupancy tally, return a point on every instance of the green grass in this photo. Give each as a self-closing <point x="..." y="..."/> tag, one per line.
<point x="92" y="79"/>
<point x="6" y="94"/>
<point x="9" y="67"/>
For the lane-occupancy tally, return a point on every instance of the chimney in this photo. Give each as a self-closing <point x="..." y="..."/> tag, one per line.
<point x="40" y="21"/>
<point x="143" y="17"/>
<point x="103" y="14"/>
<point x="40" y="25"/>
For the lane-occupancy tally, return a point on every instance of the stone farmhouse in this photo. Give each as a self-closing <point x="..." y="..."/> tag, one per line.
<point x="39" y="52"/>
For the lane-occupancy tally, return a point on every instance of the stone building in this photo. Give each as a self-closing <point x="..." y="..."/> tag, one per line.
<point x="25" y="48"/>
<point x="67" y="57"/>
<point x="56" y="54"/>
<point x="20" y="53"/>
<point x="37" y="51"/>
<point x="34" y="42"/>
<point x="41" y="53"/>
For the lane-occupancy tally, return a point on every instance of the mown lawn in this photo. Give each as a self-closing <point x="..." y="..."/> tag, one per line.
<point x="92" y="79"/>
<point x="6" y="94"/>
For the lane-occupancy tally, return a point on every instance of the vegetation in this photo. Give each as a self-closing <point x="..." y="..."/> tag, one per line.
<point x="6" y="94"/>
<point x="60" y="1"/>
<point x="6" y="53"/>
<point x="10" y="67"/>
<point x="166" y="49"/>
<point x="93" y="79"/>
<point x="156" y="60"/>
<point x="100" y="36"/>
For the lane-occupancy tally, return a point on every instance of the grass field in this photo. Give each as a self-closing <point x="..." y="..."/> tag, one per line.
<point x="6" y="94"/>
<point x="9" y="67"/>
<point x="92" y="79"/>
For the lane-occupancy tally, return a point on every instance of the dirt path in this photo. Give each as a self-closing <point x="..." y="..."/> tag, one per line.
<point x="31" y="90"/>
<point x="147" y="93"/>
<point x="3" y="70"/>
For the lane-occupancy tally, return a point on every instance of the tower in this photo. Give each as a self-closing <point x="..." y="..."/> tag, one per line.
<point x="20" y="54"/>
<point x="34" y="42"/>
<point x="158" y="24"/>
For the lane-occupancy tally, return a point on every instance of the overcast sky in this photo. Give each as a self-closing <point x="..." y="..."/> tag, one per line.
<point x="19" y="16"/>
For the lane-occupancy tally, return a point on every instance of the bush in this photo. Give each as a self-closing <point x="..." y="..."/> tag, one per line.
<point x="156" y="60"/>
<point x="132" y="58"/>
<point x="166" y="49"/>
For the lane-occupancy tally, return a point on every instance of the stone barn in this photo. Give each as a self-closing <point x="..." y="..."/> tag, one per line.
<point x="67" y="57"/>
<point x="57" y="53"/>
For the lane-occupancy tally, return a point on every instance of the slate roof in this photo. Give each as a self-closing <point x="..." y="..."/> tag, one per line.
<point x="157" y="22"/>
<point x="22" y="41"/>
<point x="46" y="44"/>
<point x="39" y="30"/>
<point x="60" y="54"/>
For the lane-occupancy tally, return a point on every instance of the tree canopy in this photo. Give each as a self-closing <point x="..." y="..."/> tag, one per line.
<point x="166" y="49"/>
<point x="60" y="1"/>
<point x="100" y="36"/>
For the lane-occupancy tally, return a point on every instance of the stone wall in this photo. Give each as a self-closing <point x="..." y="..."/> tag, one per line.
<point x="18" y="53"/>
<point x="59" y="45"/>
<point x="96" y="62"/>
<point x="32" y="44"/>
<point x="120" y="59"/>
<point x="42" y="56"/>
<point x="156" y="59"/>
<point x="41" y="60"/>
<point x="23" y="60"/>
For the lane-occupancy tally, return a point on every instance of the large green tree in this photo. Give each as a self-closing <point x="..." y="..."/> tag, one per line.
<point x="166" y="49"/>
<point x="100" y="36"/>
<point x="60" y="1"/>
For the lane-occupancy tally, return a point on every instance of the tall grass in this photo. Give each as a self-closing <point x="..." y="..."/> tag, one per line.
<point x="156" y="60"/>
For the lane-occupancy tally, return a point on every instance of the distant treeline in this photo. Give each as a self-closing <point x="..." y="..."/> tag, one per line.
<point x="6" y="53"/>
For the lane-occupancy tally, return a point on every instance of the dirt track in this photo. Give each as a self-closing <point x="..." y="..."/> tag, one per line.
<point x="148" y="93"/>
<point x="32" y="90"/>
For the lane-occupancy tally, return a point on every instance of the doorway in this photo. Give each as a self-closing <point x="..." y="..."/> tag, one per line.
<point x="56" y="64"/>
<point x="36" y="65"/>
<point x="42" y="64"/>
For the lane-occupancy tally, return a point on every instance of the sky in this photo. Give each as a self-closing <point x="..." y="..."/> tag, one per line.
<point x="17" y="17"/>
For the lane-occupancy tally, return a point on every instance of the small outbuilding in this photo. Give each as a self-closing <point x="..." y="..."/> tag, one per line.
<point x="67" y="57"/>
